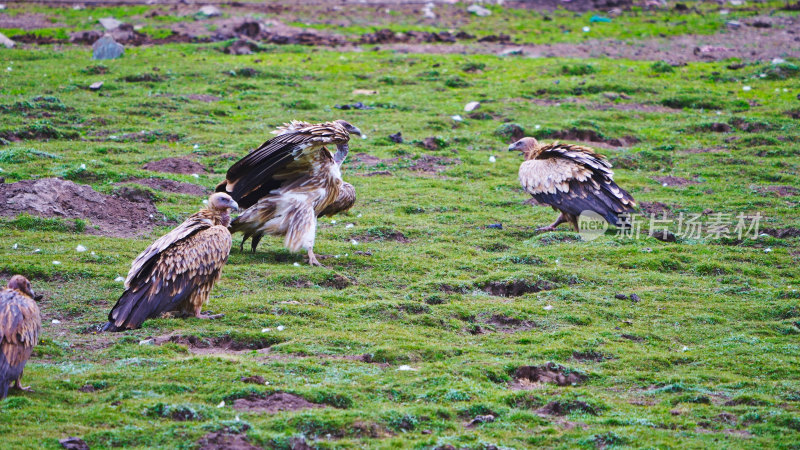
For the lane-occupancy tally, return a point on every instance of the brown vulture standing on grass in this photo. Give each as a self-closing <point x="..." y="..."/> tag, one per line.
<point x="176" y="272"/>
<point x="20" y="324"/>
<point x="289" y="181"/>
<point x="571" y="179"/>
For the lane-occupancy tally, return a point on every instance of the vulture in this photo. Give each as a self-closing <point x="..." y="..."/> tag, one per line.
<point x="176" y="272"/>
<point x="289" y="181"/>
<point x="572" y="179"/>
<point x="20" y="324"/>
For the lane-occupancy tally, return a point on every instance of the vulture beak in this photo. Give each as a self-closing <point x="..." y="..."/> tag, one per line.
<point x="234" y="205"/>
<point x="512" y="147"/>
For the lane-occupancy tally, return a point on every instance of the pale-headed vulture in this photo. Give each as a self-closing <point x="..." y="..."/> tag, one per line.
<point x="20" y="325"/>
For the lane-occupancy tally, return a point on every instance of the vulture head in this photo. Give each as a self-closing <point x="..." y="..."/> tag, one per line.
<point x="21" y="284"/>
<point x="222" y="202"/>
<point x="350" y="128"/>
<point x="528" y="146"/>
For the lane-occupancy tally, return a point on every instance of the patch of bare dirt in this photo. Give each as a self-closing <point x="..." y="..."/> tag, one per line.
<point x="587" y="135"/>
<point x="273" y="403"/>
<point x="780" y="191"/>
<point x="526" y="377"/>
<point x="565" y="407"/>
<point x="506" y="324"/>
<point x="657" y="209"/>
<point x="670" y="180"/>
<point x="26" y="21"/>
<point x="516" y="288"/>
<point x="214" y="346"/>
<point x="54" y="197"/>
<point x="203" y="98"/>
<point x="367" y="160"/>
<point x="226" y="440"/>
<point x="338" y="282"/>
<point x="254" y="379"/>
<point x="166" y="185"/>
<point x="591" y="356"/>
<point x="693" y="151"/>
<point x="383" y="235"/>
<point x="175" y="165"/>
<point x="432" y="164"/>
<point x="782" y="233"/>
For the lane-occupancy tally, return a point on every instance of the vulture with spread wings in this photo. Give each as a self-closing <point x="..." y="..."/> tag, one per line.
<point x="20" y="324"/>
<point x="176" y="272"/>
<point x="289" y="181"/>
<point x="572" y="179"/>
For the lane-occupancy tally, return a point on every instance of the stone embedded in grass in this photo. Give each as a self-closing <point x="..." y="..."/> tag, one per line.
<point x="74" y="443"/>
<point x="406" y="368"/>
<point x="109" y="23"/>
<point x="7" y="43"/>
<point x="546" y="373"/>
<point x="472" y="106"/>
<point x="107" y="48"/>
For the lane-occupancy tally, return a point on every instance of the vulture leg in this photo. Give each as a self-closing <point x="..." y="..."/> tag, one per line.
<point x="552" y="227"/>
<point x="198" y="314"/>
<point x="312" y="259"/>
<point x="18" y="385"/>
<point x="254" y="241"/>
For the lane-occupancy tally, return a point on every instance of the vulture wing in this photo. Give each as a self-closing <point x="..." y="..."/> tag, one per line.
<point x="20" y="324"/>
<point x="276" y="161"/>
<point x="183" y="266"/>
<point x="345" y="201"/>
<point x="574" y="179"/>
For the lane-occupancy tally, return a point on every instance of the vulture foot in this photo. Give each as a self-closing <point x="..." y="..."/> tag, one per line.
<point x="18" y="385"/>
<point x="545" y="229"/>
<point x="312" y="259"/>
<point x="210" y="316"/>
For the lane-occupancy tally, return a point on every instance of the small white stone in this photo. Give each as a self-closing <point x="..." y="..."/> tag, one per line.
<point x="762" y="75"/>
<point x="205" y="202"/>
<point x="221" y="404"/>
<point x="236" y="418"/>
<point x="746" y="88"/>
<point x="8" y="69"/>
<point x="349" y="225"/>
<point x="785" y="90"/>
<point x="358" y="215"/>
<point x="664" y="184"/>
<point x="346" y="254"/>
<point x="80" y="249"/>
<point x="685" y="348"/>
<point x="210" y="11"/>
<point x="472" y="106"/>
<point x="492" y="159"/>
<point x="151" y="216"/>
<point x="363" y="137"/>
<point x="119" y="279"/>
<point x="333" y="222"/>
<point x="37" y="250"/>
<point x="724" y="12"/>
<point x="57" y="263"/>
<point x="767" y="250"/>
<point x="196" y="175"/>
<point x="537" y="126"/>
<point x="353" y="242"/>
<point x="265" y="330"/>
<point x="280" y="328"/>
<point x="548" y="307"/>
<point x="405" y="368"/>
<point x="586" y="29"/>
<point x="55" y="321"/>
<point x="297" y="264"/>
<point x="83" y="166"/>
<point x="93" y="254"/>
<point x="196" y="146"/>
<point x="457" y="118"/>
<point x="778" y="61"/>
<point x="147" y="342"/>
<point x="15" y="246"/>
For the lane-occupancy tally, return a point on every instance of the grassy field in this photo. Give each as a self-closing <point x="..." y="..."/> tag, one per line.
<point x="708" y="356"/>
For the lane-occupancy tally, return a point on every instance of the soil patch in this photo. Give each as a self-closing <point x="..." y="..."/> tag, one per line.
<point x="432" y="164"/>
<point x="507" y="324"/>
<point x="587" y="135"/>
<point x="516" y="288"/>
<point x="590" y="356"/>
<point x="175" y="165"/>
<point x="54" y="197"/>
<point x="657" y="209"/>
<point x="669" y="180"/>
<point x="27" y="21"/>
<point x="273" y="403"/>
<point x="203" y="98"/>
<point x="217" y="345"/>
<point x="383" y="235"/>
<point x="564" y="407"/>
<point x="367" y="160"/>
<point x="780" y="191"/>
<point x="525" y="376"/>
<point x="782" y="233"/>
<point x="225" y="440"/>
<point x="166" y="185"/>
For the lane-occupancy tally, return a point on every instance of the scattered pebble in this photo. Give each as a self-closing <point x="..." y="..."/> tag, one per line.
<point x="265" y="330"/>
<point x="724" y="12"/>
<point x="353" y="242"/>
<point x="405" y="368"/>
<point x="349" y="225"/>
<point x="196" y="146"/>
<point x="767" y="250"/>
<point x="15" y="246"/>
<point x="147" y="342"/>
<point x="746" y="88"/>
<point x="333" y="222"/>
<point x="96" y="86"/>
<point x="55" y="321"/>
<point x="297" y="264"/>
<point x="280" y="328"/>
<point x="548" y="307"/>
<point x="685" y="348"/>
<point x="196" y="175"/>
<point x="586" y="29"/>
<point x="83" y="167"/>
<point x="37" y="250"/>
<point x="363" y="137"/>
<point x="492" y="159"/>
<point x="205" y="202"/>
<point x="358" y="215"/>
<point x="210" y="11"/>
<point x="221" y="404"/>
<point x="119" y="279"/>
<point x="80" y="249"/>
<point x="479" y="11"/>
<point x="472" y="106"/>
<point x="537" y="127"/>
<point x="57" y="263"/>
<point x="635" y="298"/>
<point x="457" y="118"/>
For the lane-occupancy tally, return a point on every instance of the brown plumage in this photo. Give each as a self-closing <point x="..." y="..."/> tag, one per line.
<point x="176" y="272"/>
<point x="289" y="181"/>
<point x="20" y="324"/>
<point x="572" y="179"/>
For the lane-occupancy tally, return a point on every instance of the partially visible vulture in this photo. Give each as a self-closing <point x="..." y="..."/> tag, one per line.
<point x="176" y="272"/>
<point x="289" y="181"/>
<point x="572" y="179"/>
<point x="20" y="324"/>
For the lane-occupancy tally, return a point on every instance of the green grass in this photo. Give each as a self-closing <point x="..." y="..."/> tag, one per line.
<point x="715" y="330"/>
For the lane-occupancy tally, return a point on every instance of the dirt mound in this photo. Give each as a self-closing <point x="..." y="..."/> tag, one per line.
<point x="516" y="288"/>
<point x="165" y="185"/>
<point x="587" y="135"/>
<point x="782" y="233"/>
<point x="225" y="440"/>
<point x="524" y="376"/>
<point x="564" y="407"/>
<point x="175" y="165"/>
<point x="590" y="355"/>
<point x="432" y="164"/>
<point x="216" y="345"/>
<point x="273" y="403"/>
<point x="655" y="209"/>
<point x="203" y="98"/>
<point x="507" y="324"/>
<point x="367" y="160"/>
<point x="54" y="197"/>
<point x="780" y="191"/>
<point x="669" y="180"/>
